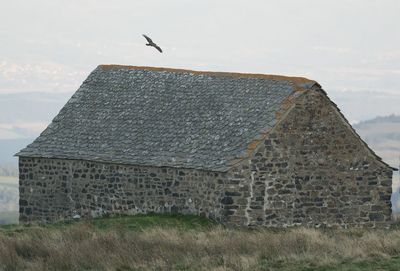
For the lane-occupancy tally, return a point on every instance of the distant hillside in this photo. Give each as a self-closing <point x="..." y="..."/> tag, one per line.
<point x="391" y="118"/>
<point x="8" y="162"/>
<point x="382" y="134"/>
<point x="9" y="147"/>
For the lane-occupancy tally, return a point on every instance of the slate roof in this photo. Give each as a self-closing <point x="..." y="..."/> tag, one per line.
<point x="165" y="117"/>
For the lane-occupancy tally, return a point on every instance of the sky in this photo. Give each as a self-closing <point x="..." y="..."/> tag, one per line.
<point x="48" y="47"/>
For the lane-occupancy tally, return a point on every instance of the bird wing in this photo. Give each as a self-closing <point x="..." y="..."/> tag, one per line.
<point x="158" y="48"/>
<point x="147" y="38"/>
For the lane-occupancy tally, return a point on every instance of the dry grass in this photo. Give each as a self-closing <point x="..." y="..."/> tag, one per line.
<point x="83" y="246"/>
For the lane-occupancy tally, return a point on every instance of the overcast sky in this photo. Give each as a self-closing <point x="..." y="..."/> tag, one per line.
<point x="351" y="47"/>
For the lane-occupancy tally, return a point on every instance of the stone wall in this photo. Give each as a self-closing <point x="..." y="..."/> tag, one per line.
<point x="313" y="170"/>
<point x="54" y="189"/>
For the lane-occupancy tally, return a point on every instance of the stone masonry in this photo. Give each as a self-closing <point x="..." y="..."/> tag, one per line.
<point x="311" y="170"/>
<point x="54" y="189"/>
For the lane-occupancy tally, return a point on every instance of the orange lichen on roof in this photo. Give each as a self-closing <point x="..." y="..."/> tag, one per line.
<point x="296" y="80"/>
<point x="253" y="145"/>
<point x="286" y="104"/>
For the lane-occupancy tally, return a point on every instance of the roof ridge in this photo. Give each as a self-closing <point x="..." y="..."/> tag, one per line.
<point x="294" y="79"/>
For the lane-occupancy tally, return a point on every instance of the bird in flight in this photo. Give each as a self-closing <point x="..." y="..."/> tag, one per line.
<point x="151" y="43"/>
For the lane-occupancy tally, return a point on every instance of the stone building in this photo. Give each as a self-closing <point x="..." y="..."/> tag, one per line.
<point x="242" y="149"/>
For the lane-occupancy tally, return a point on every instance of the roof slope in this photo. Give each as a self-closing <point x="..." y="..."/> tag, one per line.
<point x="164" y="117"/>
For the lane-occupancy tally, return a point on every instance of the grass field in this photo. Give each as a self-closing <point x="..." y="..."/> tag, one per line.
<point x="177" y="242"/>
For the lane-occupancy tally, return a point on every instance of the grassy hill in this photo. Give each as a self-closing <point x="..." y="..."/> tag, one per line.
<point x="177" y="242"/>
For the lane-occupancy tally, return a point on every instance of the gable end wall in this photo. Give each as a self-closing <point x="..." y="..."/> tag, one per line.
<point x="311" y="170"/>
